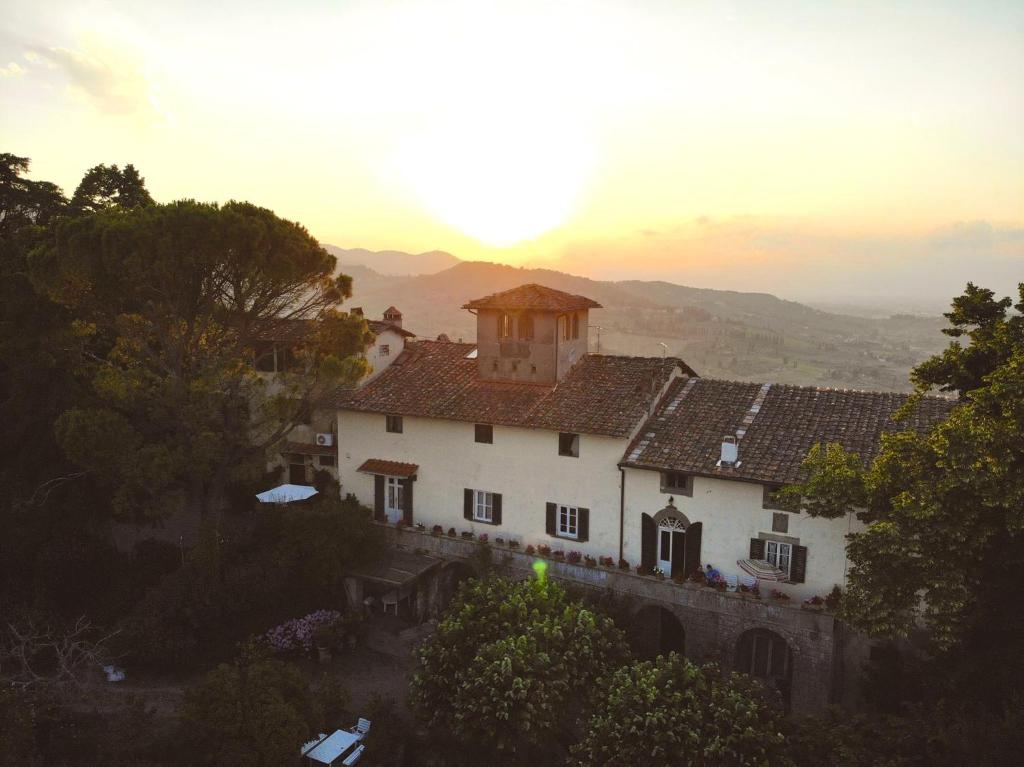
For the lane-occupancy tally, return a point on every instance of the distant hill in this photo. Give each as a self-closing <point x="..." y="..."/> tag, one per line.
<point x="394" y="262"/>
<point x="724" y="334"/>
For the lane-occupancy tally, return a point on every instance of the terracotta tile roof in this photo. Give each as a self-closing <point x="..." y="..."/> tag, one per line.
<point x="379" y="326"/>
<point x="535" y="297"/>
<point x="434" y="379"/>
<point x="388" y="468"/>
<point x="685" y="434"/>
<point x="308" y="448"/>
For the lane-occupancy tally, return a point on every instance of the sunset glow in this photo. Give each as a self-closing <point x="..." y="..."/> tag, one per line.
<point x="745" y="145"/>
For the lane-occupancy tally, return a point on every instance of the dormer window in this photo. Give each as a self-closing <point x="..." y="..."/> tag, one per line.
<point x="526" y="327"/>
<point x="504" y="325"/>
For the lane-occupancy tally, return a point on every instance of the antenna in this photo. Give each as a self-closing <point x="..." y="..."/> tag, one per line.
<point x="664" y="349"/>
<point x="598" y="328"/>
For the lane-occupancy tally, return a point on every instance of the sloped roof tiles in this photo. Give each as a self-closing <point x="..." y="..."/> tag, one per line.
<point x="685" y="434"/>
<point x="535" y="298"/>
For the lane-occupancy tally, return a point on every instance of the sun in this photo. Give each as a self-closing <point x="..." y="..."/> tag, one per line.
<point x="499" y="178"/>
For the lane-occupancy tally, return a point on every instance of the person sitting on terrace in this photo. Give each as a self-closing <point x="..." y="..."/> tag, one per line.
<point x="712" y="574"/>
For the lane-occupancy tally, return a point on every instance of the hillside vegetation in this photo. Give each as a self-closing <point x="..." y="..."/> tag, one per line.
<point x="721" y="333"/>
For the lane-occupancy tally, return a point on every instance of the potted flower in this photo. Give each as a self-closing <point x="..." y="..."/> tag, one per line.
<point x="530" y="550"/>
<point x="678" y="578"/>
<point x="573" y="557"/>
<point x="815" y="604"/>
<point x="624" y="564"/>
<point x="782" y="596"/>
<point x="499" y="541"/>
<point x="482" y="538"/>
<point x="420" y="527"/>
<point x="451" y="532"/>
<point x="589" y="561"/>
<point x="467" y="535"/>
<point x="513" y="544"/>
<point x="544" y="550"/>
<point x="658" y="573"/>
<point x="559" y="555"/>
<point x="641" y="570"/>
<point x="436" y="530"/>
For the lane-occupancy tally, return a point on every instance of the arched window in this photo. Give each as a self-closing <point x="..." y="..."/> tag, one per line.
<point x="526" y="327"/>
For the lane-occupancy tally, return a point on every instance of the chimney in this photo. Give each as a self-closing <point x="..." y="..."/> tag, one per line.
<point x="730" y="452"/>
<point x="356" y="311"/>
<point x="393" y="316"/>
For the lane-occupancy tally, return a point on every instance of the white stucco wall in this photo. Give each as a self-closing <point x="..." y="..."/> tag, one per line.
<point x="521" y="464"/>
<point x="731" y="514"/>
<point x="395" y="343"/>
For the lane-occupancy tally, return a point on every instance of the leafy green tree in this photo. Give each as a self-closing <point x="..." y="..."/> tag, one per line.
<point x="171" y="305"/>
<point x="107" y="186"/>
<point x="503" y="677"/>
<point x="945" y="509"/>
<point x="673" y="713"/>
<point x="255" y="711"/>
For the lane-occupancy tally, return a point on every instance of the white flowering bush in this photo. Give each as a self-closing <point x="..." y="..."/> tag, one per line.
<point x="297" y="634"/>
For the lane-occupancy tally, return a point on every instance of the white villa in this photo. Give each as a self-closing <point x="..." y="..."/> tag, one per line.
<point x="527" y="436"/>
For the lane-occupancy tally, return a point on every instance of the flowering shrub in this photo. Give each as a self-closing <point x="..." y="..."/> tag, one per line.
<point x="297" y="634"/>
<point x="530" y="550"/>
<point x="574" y="557"/>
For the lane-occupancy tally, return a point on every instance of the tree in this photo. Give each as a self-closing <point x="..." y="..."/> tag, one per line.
<point x="500" y="675"/>
<point x="171" y="303"/>
<point x="255" y="711"/>
<point x="670" y="713"/>
<point x="945" y="510"/>
<point x="106" y="186"/>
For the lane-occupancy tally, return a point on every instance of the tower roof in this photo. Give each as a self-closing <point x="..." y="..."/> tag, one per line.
<point x="533" y="297"/>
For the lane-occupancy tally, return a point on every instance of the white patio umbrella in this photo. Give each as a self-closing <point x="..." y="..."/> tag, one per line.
<point x="286" y="494"/>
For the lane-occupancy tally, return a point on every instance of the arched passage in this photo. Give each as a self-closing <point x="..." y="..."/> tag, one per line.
<point x="452" y="574"/>
<point x="656" y="631"/>
<point x="767" y="656"/>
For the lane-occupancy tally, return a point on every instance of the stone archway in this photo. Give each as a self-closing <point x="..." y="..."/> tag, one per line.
<point x="768" y="656"/>
<point x="656" y="631"/>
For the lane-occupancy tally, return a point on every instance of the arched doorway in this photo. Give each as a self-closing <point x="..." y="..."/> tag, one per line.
<point x="670" y="542"/>
<point x="767" y="656"/>
<point x="656" y="631"/>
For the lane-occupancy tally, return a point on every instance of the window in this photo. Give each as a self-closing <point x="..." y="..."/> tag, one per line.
<point x="780" y="523"/>
<point x="393" y="424"/>
<point x="384" y="350"/>
<point x="483" y="506"/>
<point x="504" y="325"/>
<point x="568" y="522"/>
<point x="566" y="327"/>
<point x="770" y="498"/>
<point x="526" y="327"/>
<point x="569" y="444"/>
<point x="264" y="354"/>
<point x="779" y="554"/>
<point x="677" y="482"/>
<point x="575" y="326"/>
<point x="327" y="460"/>
<point x="484" y="433"/>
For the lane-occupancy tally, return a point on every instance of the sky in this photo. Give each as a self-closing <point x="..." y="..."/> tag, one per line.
<point x="819" y="151"/>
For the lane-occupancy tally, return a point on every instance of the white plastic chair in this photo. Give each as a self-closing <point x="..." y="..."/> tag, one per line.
<point x="749" y="581"/>
<point x="731" y="582"/>
<point x="362" y="727"/>
<point x="390" y="600"/>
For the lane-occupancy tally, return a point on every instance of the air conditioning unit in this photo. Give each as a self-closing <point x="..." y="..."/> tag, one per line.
<point x="325" y="440"/>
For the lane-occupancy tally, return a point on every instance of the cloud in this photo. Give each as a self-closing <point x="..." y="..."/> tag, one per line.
<point x="112" y="86"/>
<point x="14" y="69"/>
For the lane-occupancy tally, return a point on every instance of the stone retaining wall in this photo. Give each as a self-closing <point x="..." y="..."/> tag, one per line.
<point x="713" y="620"/>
